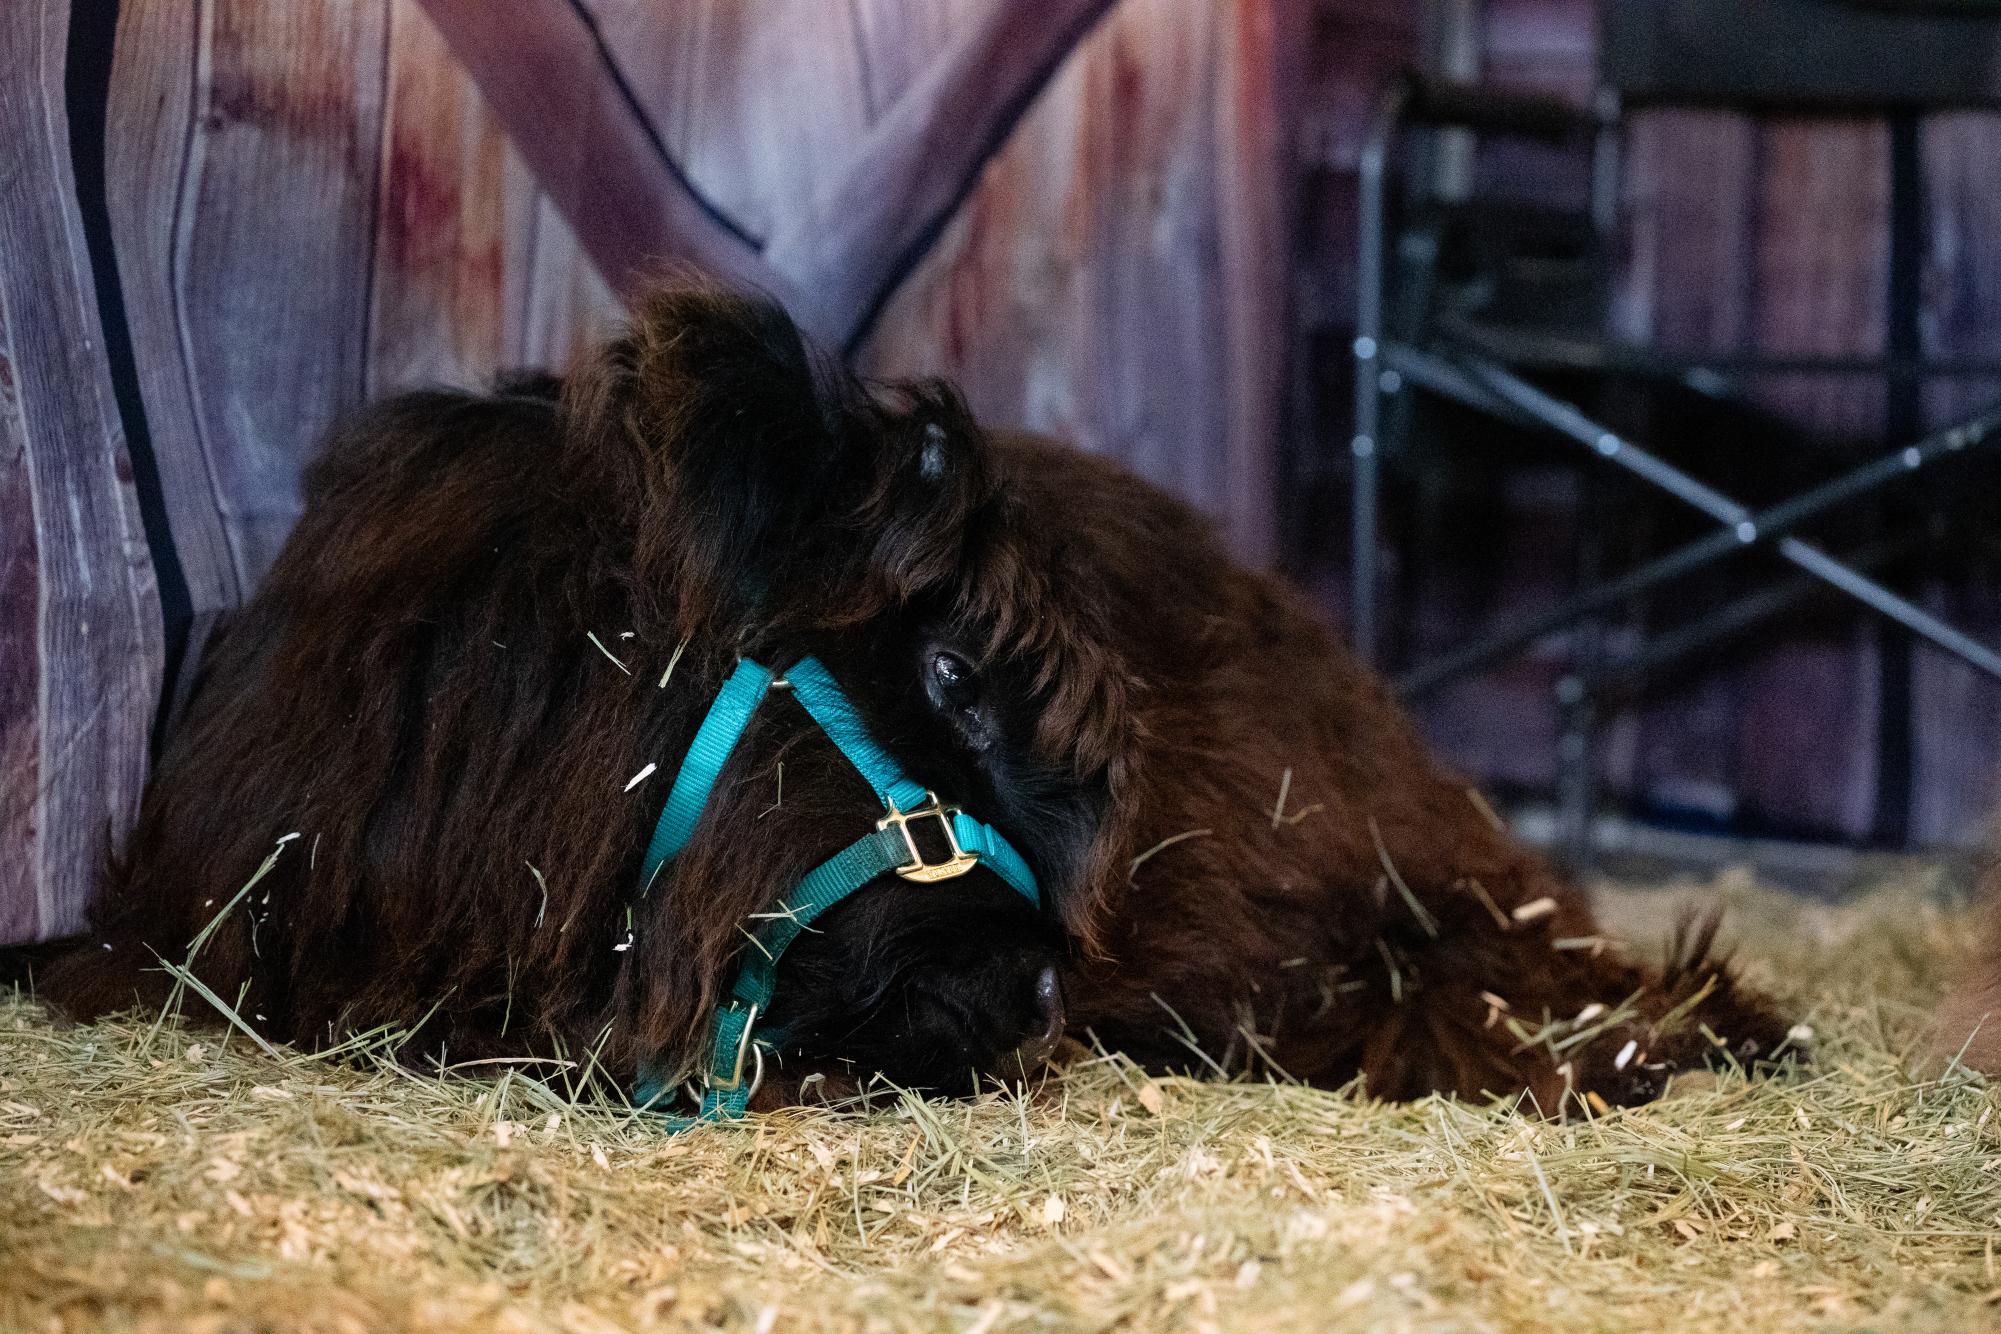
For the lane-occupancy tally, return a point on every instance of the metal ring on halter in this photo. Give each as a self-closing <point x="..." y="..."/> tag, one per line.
<point x="757" y="1079"/>
<point x="744" y="1044"/>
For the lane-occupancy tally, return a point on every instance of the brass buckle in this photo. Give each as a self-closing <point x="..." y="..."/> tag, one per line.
<point x="917" y="868"/>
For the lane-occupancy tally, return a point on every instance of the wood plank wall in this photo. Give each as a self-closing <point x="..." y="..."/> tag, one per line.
<point x="313" y="204"/>
<point x="431" y="254"/>
<point x="426" y="253"/>
<point x="1080" y="235"/>
<point x="79" y="618"/>
<point x="1958" y="731"/>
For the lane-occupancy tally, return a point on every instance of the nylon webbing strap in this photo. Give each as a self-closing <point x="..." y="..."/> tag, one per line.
<point x="829" y="706"/>
<point x="874" y="854"/>
<point x="997" y="854"/>
<point x="727" y="1087"/>
<point x="714" y="740"/>
<point x="735" y="1058"/>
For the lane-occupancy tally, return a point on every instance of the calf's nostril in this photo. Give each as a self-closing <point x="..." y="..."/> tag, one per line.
<point x="1040" y="1046"/>
<point x="1049" y="998"/>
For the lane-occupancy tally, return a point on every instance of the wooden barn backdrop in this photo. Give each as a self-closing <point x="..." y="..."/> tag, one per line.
<point x="224" y="222"/>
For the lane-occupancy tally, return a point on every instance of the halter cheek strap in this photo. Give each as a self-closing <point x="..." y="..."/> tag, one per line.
<point x="889" y="847"/>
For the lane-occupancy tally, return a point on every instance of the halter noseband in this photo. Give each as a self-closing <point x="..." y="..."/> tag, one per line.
<point x="890" y="846"/>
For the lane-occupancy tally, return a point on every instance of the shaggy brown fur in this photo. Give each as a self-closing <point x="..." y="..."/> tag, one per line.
<point x="1251" y="860"/>
<point x="1969" y="1023"/>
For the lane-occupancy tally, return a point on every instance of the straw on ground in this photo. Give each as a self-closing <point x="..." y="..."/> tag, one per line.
<point x="181" y="1178"/>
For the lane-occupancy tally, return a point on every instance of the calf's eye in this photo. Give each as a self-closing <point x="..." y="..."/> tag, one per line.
<point x="954" y="683"/>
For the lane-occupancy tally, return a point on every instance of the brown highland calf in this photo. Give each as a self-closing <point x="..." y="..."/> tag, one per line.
<point x="498" y="609"/>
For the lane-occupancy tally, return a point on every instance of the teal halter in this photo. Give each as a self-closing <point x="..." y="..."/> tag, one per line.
<point x="890" y="846"/>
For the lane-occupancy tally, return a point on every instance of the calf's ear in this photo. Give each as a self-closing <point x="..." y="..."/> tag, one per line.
<point x="718" y="434"/>
<point x="763" y="484"/>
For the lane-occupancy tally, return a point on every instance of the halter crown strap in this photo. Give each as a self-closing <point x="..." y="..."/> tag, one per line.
<point x="715" y="740"/>
<point x="889" y="847"/>
<point x="829" y="707"/>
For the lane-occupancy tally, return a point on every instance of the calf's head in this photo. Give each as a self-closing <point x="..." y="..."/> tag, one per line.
<point x="776" y="508"/>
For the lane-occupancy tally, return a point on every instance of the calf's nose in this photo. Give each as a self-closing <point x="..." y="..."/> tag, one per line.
<point x="1049" y="1009"/>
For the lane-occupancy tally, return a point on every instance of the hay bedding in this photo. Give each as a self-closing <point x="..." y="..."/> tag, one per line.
<point x="155" y="1176"/>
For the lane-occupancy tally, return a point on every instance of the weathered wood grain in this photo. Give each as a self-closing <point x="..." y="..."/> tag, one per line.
<point x="546" y="78"/>
<point x="1221" y="272"/>
<point x="79" y="613"/>
<point x="1805" y="748"/>
<point x="253" y="288"/>
<point x="568" y="307"/>
<point x="1822" y="264"/>
<point x="1750" y="237"/>
<point x="449" y="232"/>
<point x="844" y="253"/>
<point x="1821" y="268"/>
<point x="1962" y="261"/>
<point x="1687" y="287"/>
<point x="1257" y="94"/>
<point x="474" y="272"/>
<point x="147" y="147"/>
<point x="1099" y="219"/>
<point x="1547" y="45"/>
<point x="1957" y="728"/>
<point x="760" y="104"/>
<point x="750" y="130"/>
<point x="899" y="39"/>
<point x="1687" y="284"/>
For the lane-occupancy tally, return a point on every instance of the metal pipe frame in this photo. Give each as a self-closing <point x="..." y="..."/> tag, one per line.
<point x="1470" y="372"/>
<point x="1737" y="616"/>
<point x="1723" y="369"/>
<point x="1403" y="100"/>
<point x="1446" y="377"/>
<point x="1741" y="527"/>
<point x="1373" y="205"/>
